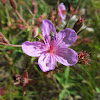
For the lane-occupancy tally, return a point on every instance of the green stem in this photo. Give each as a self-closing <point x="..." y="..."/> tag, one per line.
<point x="11" y="45"/>
<point x="21" y="18"/>
<point x="8" y="17"/>
<point x="77" y="5"/>
<point x="67" y="24"/>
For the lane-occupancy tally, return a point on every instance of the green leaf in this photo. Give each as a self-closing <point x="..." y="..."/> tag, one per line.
<point x="62" y="94"/>
<point x="97" y="90"/>
<point x="60" y="78"/>
<point x="67" y="70"/>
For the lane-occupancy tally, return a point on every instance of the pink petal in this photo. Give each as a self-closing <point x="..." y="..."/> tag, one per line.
<point x="48" y="30"/>
<point x="47" y="62"/>
<point x="33" y="49"/>
<point x="62" y="8"/>
<point x="66" y="37"/>
<point x="66" y="56"/>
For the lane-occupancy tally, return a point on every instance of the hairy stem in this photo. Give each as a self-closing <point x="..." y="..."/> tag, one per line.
<point x="10" y="45"/>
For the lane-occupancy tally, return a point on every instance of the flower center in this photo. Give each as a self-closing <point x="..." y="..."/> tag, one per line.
<point x="51" y="49"/>
<point x="63" y="12"/>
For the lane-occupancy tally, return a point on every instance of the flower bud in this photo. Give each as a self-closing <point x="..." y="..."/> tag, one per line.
<point x="84" y="58"/>
<point x="62" y="11"/>
<point x="39" y="20"/>
<point x="4" y="2"/>
<point x="13" y="4"/>
<point x="21" y="26"/>
<point x="53" y="15"/>
<point x="35" y="31"/>
<point x="78" y="24"/>
<point x="3" y="40"/>
<point x="34" y="7"/>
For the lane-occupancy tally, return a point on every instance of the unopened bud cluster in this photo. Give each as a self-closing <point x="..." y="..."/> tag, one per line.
<point x="84" y="58"/>
<point x="78" y="24"/>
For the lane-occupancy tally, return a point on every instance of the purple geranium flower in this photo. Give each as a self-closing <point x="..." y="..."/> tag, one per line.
<point x="55" y="47"/>
<point x="62" y="11"/>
